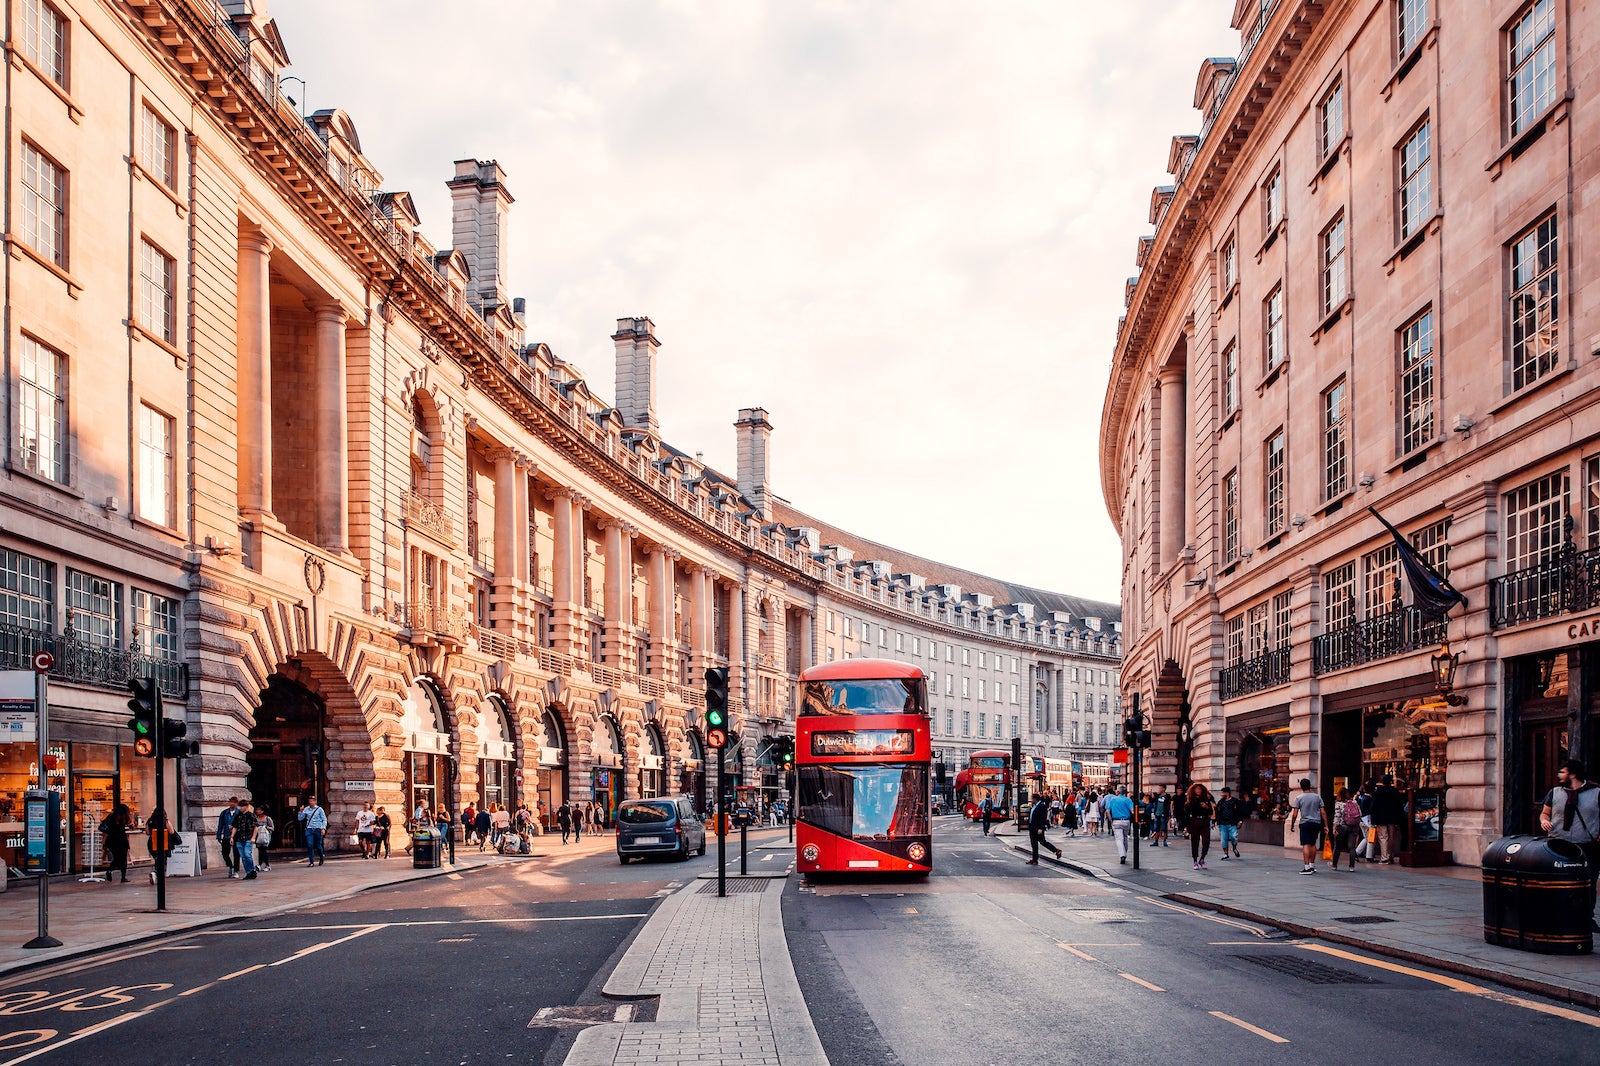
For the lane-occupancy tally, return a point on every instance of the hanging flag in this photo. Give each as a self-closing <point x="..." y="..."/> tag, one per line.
<point x="1430" y="591"/>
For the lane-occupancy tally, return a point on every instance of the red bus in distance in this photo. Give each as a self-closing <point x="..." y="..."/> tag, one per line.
<point x="988" y="774"/>
<point x="863" y="762"/>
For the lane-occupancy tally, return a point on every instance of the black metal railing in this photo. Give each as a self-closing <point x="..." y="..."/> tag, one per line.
<point x="1253" y="675"/>
<point x="1394" y="632"/>
<point x="1567" y="582"/>
<point x="83" y="662"/>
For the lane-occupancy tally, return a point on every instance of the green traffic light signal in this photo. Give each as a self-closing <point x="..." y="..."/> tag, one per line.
<point x="716" y="705"/>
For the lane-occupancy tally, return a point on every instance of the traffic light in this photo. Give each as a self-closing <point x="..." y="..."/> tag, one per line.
<point x="1130" y="732"/>
<point x="173" y="746"/>
<point x="717" y="706"/>
<point x="146" y="708"/>
<point x="786" y="752"/>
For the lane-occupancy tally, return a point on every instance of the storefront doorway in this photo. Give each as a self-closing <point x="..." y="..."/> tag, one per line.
<point x="427" y="749"/>
<point x="497" y="756"/>
<point x="551" y="784"/>
<point x="607" y="777"/>
<point x="286" y="758"/>
<point x="651" y="773"/>
<point x="693" y="782"/>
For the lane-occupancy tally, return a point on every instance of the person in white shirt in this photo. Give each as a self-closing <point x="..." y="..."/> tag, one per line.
<point x="364" y="819"/>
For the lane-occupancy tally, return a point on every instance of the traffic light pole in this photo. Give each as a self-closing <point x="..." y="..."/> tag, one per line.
<point x="722" y="828"/>
<point x="41" y="699"/>
<point x="161" y="799"/>
<point x="1138" y="762"/>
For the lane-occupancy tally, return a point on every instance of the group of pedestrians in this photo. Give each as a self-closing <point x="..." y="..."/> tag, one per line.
<point x="245" y="833"/>
<point x="573" y="819"/>
<point x="1364" y="825"/>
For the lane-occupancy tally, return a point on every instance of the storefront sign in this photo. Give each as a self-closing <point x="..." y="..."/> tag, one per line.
<point x="1587" y="628"/>
<point x="185" y="858"/>
<point x="1163" y="753"/>
<point x="863" y="742"/>
<point x="18" y="727"/>
<point x="360" y="786"/>
<point x="18" y="715"/>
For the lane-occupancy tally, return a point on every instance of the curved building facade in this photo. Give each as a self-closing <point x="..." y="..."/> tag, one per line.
<point x="1363" y="297"/>
<point x="373" y="542"/>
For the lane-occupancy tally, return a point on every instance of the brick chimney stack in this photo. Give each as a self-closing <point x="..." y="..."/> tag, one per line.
<point x="636" y="374"/>
<point x="754" y="457"/>
<point x="479" y="204"/>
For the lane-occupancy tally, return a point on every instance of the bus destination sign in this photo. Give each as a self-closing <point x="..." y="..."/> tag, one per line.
<point x="863" y="742"/>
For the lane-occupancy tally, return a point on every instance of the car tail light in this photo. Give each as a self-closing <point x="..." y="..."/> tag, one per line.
<point x="680" y="830"/>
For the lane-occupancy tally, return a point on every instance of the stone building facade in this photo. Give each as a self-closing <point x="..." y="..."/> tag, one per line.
<point x="374" y="543"/>
<point x="1364" y="289"/>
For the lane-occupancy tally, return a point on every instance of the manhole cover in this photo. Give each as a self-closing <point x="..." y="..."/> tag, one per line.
<point x="1091" y="914"/>
<point x="1364" y="919"/>
<point x="556" y="1017"/>
<point x="710" y="887"/>
<point x="1308" y="970"/>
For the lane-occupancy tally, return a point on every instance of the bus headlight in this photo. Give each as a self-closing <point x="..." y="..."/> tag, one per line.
<point x="810" y="853"/>
<point x="916" y="853"/>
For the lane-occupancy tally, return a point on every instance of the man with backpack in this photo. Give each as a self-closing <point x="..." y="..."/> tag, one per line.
<point x="1346" y="827"/>
<point x="1038" y="820"/>
<point x="1572" y="812"/>
<point x="1230" y="812"/>
<point x="1388" y="813"/>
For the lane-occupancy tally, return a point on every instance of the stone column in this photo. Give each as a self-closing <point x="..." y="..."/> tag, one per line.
<point x="736" y="639"/>
<point x="808" y="653"/>
<point x="1174" y="462"/>
<point x="333" y="429"/>
<point x="563" y="574"/>
<point x="699" y="623"/>
<point x="254" y="354"/>
<point x="505" y="539"/>
<point x="619" y="571"/>
<point x="662" y="638"/>
<point x="522" y="519"/>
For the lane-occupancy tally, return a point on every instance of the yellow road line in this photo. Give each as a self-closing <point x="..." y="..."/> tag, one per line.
<point x="1274" y="1037"/>
<point x="1085" y="956"/>
<point x="1141" y="981"/>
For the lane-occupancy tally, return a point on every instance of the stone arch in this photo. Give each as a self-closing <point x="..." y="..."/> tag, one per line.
<point x="549" y="758"/>
<point x="607" y="760"/>
<point x="692" y="780"/>
<point x="1171" y="729"/>
<point x="497" y="750"/>
<point x="652" y="761"/>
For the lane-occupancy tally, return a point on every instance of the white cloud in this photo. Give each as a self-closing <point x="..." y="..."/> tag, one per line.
<point x="901" y="227"/>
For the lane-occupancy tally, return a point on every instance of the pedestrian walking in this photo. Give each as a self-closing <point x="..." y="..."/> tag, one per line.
<point x="442" y="825"/>
<point x="244" y="839"/>
<point x="1307" y="812"/>
<point x="114" y="828"/>
<point x="1198" y="810"/>
<point x="382" y="830"/>
<point x="502" y="822"/>
<point x="1038" y="821"/>
<point x="265" y="827"/>
<point x="1091" y="813"/>
<point x="482" y="825"/>
<point x="159" y="840"/>
<point x="314" y="823"/>
<point x="469" y="821"/>
<point x="1160" y="812"/>
<point x="1388" y="812"/>
<point x="1230" y="812"/>
<point x="1571" y="812"/>
<point x="564" y="821"/>
<point x="985" y="813"/>
<point x="1119" y="809"/>
<point x="365" y="818"/>
<point x="1069" y="817"/>
<point x="225" y="836"/>
<point x="1346" y="827"/>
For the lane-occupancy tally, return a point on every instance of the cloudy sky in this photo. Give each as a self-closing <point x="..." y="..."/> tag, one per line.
<point x="901" y="227"/>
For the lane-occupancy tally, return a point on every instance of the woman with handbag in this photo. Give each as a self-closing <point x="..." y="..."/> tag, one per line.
<point x="380" y="833"/>
<point x="115" y="829"/>
<point x="264" y="827"/>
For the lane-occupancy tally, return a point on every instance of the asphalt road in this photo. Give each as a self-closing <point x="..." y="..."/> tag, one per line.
<point x="993" y="962"/>
<point x="452" y="970"/>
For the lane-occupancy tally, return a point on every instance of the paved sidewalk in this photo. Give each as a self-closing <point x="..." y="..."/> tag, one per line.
<point x="93" y="917"/>
<point x="728" y="992"/>
<point x="1428" y="916"/>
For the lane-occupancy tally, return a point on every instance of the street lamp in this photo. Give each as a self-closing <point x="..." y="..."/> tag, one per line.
<point x="298" y="105"/>
<point x="1444" y="673"/>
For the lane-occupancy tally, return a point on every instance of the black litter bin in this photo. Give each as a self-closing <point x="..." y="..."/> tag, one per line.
<point x="1536" y="896"/>
<point x="425" y="849"/>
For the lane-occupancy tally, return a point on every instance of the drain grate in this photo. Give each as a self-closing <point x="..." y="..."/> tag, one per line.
<point x="1092" y="914"/>
<point x="1364" y="919"/>
<point x="598" y="1014"/>
<point x="734" y="885"/>
<point x="1307" y="970"/>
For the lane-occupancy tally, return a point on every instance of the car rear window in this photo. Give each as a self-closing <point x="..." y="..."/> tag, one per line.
<point x="645" y="813"/>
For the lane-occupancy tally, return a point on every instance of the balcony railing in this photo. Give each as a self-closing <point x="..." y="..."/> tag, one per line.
<point x="438" y="621"/>
<point x="1566" y="583"/>
<point x="428" y="515"/>
<point x="1253" y="675"/>
<point x="81" y="662"/>
<point x="1394" y="632"/>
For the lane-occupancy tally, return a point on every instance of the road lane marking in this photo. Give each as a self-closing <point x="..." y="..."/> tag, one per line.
<point x="1219" y="919"/>
<point x="314" y="948"/>
<point x="98" y="1027"/>
<point x="1274" y="1037"/>
<point x="453" y="877"/>
<point x="240" y="973"/>
<point x="1142" y="982"/>
<point x="1085" y="956"/>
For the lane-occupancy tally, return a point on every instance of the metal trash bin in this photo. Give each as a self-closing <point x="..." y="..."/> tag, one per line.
<point x="425" y="850"/>
<point x="1536" y="896"/>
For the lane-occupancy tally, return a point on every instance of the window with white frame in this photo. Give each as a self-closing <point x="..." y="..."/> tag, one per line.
<point x="1103" y="733"/>
<point x="983" y="724"/>
<point x="1339" y="596"/>
<point x="883" y="637"/>
<point x="1380" y="580"/>
<point x="155" y="621"/>
<point x="1417" y="382"/>
<point x="1335" y="441"/>
<point x="1275" y="496"/>
<point x="1330" y="119"/>
<point x="866" y="633"/>
<point x="1230" y="263"/>
<point x="1230" y="516"/>
<point x="966" y="656"/>
<point x="44" y="39"/>
<point x="158" y="147"/>
<point x="966" y="723"/>
<point x="1013" y="693"/>
<point x="1282" y="605"/>
<point x="1075" y="732"/>
<point x="1416" y="179"/>
<point x="1014" y="723"/>
<point x="1272" y="200"/>
<point x="94" y="609"/>
<point x="949" y="653"/>
<point x="849" y="627"/>
<point x="1233" y="639"/>
<point x="158" y="283"/>
<point x="983" y="689"/>
<point x="1411" y="20"/>
<point x="1230" y="378"/>
<point x="27" y="591"/>
<point x="1258" y="630"/>
<point x="1335" y="277"/>
<point x="44" y="205"/>
<point x="830" y="622"/>
<point x="950" y="722"/>
<point x="154" y="491"/>
<point x="1272" y="345"/>
<point x="949" y="684"/>
<point x="1433" y="544"/>
<point x="966" y="687"/>
<point x="1534" y="515"/>
<point x="983" y="660"/>
<point x="900" y="642"/>
<point x="1531" y="65"/>
<point x="42" y="410"/>
<point x="1534" y="309"/>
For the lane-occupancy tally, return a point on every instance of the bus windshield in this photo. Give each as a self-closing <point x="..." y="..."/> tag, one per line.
<point x="897" y="695"/>
<point x="996" y="761"/>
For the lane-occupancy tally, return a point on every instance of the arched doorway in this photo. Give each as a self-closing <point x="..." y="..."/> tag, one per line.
<point x="606" y="759"/>
<point x="693" y="781"/>
<point x="427" y="749"/>
<point x="287" y="757"/>
<point x="551" y="786"/>
<point x="497" y="755"/>
<point x="652" y="752"/>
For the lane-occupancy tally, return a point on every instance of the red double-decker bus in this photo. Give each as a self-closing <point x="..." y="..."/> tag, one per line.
<point x="863" y="761"/>
<point x="988" y="774"/>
